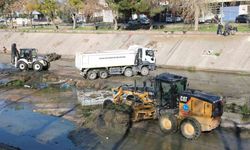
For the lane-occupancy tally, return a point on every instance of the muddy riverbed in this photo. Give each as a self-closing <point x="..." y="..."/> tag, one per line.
<point x="44" y="111"/>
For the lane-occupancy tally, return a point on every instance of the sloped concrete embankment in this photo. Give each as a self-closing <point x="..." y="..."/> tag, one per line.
<point x="193" y="52"/>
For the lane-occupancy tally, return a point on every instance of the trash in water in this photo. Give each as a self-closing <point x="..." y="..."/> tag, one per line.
<point x="65" y="86"/>
<point x="41" y="85"/>
<point x="27" y="86"/>
<point x="93" y="97"/>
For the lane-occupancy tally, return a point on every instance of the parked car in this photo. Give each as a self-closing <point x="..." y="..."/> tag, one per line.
<point x="242" y="19"/>
<point x="207" y="18"/>
<point x="173" y="19"/>
<point x="2" y="20"/>
<point x="138" y="24"/>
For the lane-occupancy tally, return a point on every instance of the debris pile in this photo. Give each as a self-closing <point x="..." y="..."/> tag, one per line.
<point x="53" y="57"/>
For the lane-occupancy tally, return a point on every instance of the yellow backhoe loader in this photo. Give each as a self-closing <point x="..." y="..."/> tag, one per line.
<point x="175" y="106"/>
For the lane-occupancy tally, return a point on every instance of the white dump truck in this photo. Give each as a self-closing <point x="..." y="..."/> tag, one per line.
<point x="135" y="59"/>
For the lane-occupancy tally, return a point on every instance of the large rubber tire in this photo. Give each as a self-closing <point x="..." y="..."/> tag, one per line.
<point x="144" y="71"/>
<point x="22" y="66"/>
<point x="107" y="104"/>
<point x="103" y="74"/>
<point x="37" y="66"/>
<point x="190" y="128"/>
<point x="46" y="67"/>
<point x="92" y="75"/>
<point x="128" y="72"/>
<point x="168" y="124"/>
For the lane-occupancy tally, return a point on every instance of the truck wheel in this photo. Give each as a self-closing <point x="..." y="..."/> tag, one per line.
<point x="128" y="72"/>
<point x="144" y="71"/>
<point x="168" y="124"/>
<point x="103" y="74"/>
<point x="37" y="66"/>
<point x="92" y="75"/>
<point x="190" y="128"/>
<point x="107" y="104"/>
<point x="22" y="66"/>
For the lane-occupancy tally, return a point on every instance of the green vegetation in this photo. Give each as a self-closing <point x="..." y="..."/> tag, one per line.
<point x="19" y="107"/>
<point x="245" y="109"/>
<point x="169" y="28"/>
<point x="16" y="83"/>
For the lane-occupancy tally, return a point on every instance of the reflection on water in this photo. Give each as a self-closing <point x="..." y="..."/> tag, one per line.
<point x="20" y="127"/>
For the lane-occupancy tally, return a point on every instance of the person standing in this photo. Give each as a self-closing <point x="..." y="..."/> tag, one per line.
<point x="4" y="50"/>
<point x="14" y="53"/>
<point x="219" y="28"/>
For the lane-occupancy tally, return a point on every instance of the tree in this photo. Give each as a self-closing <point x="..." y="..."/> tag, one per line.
<point x="48" y="8"/>
<point x="148" y="7"/>
<point x="10" y="7"/>
<point x="30" y="6"/>
<point x="91" y="7"/>
<point x="114" y="6"/>
<point x="75" y="6"/>
<point x="189" y="9"/>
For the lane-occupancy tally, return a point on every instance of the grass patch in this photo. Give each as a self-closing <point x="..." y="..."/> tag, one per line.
<point x="16" y="83"/>
<point x="245" y="110"/>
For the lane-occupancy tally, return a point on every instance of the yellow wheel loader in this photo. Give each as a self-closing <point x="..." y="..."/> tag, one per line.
<point x="175" y="106"/>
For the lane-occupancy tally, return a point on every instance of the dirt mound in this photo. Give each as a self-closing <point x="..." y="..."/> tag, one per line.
<point x="105" y="127"/>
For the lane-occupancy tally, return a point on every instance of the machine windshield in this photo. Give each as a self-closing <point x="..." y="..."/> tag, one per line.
<point x="150" y="53"/>
<point x="34" y="53"/>
<point x="181" y="86"/>
<point x="165" y="87"/>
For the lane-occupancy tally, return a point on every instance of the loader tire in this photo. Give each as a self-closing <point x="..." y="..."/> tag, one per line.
<point x="190" y="128"/>
<point x="168" y="123"/>
<point x="46" y="67"/>
<point x="128" y="72"/>
<point x="22" y="66"/>
<point x="37" y="66"/>
<point x="92" y="75"/>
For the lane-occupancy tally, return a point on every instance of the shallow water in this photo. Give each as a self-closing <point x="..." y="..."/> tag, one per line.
<point x="23" y="128"/>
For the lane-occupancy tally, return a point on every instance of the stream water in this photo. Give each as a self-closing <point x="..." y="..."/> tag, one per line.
<point x="21" y="127"/>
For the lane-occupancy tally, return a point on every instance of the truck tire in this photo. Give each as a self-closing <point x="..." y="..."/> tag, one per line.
<point x="168" y="124"/>
<point x="144" y="71"/>
<point x="103" y="74"/>
<point x="37" y="66"/>
<point x="128" y="72"/>
<point x="92" y="75"/>
<point x="190" y="128"/>
<point x="22" y="66"/>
